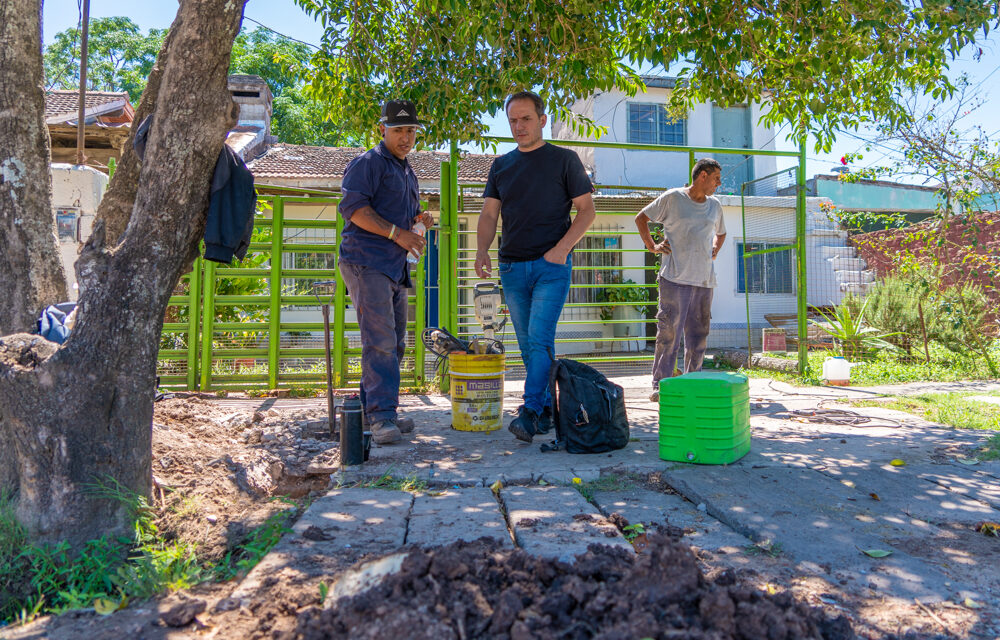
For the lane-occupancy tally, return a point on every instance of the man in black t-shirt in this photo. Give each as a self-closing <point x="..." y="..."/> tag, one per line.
<point x="534" y="187"/>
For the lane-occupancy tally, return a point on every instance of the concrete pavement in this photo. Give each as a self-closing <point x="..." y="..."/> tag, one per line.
<point x="819" y="494"/>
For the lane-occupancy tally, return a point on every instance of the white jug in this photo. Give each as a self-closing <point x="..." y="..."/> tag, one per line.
<point x="837" y="371"/>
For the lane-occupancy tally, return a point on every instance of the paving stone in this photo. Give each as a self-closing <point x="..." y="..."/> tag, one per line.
<point x="973" y="484"/>
<point x="557" y="522"/>
<point x="796" y="508"/>
<point x="654" y="508"/>
<point x="922" y="491"/>
<point x="467" y="514"/>
<point x="359" y="520"/>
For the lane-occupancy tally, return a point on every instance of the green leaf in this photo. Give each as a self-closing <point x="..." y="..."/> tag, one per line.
<point x="876" y="553"/>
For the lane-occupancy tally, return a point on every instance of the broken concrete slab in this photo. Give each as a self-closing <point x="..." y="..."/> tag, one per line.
<point x="922" y="491"/>
<point x="795" y="509"/>
<point x="557" y="522"/>
<point x="343" y="522"/>
<point x="976" y="485"/>
<point x="441" y="518"/>
<point x="654" y="508"/>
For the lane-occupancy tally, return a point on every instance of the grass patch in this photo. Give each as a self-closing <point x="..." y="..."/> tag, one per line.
<point x="887" y="367"/>
<point x="764" y="547"/>
<point x="609" y="482"/>
<point x="992" y="449"/>
<point x="410" y="483"/>
<point x="951" y="409"/>
<point x="109" y="572"/>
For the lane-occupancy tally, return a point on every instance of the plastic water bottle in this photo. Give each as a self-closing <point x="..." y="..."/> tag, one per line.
<point x="418" y="229"/>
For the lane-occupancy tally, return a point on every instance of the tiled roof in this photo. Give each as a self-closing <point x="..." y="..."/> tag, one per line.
<point x="301" y="161"/>
<point x="59" y="102"/>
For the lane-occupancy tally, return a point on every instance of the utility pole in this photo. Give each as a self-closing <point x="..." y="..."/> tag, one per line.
<point x="81" y="111"/>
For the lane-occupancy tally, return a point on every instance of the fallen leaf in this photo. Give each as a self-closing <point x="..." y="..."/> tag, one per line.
<point x="474" y="456"/>
<point x="988" y="529"/>
<point x="435" y="493"/>
<point x="897" y="462"/>
<point x="107" y="606"/>
<point x="496" y="486"/>
<point x="875" y="496"/>
<point x="972" y="604"/>
<point x="770" y="589"/>
<point x="876" y="553"/>
<point x="542" y="483"/>
<point x="968" y="461"/>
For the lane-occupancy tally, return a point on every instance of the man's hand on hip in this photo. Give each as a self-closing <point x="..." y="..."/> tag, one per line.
<point x="662" y="247"/>
<point x="555" y="255"/>
<point x="484" y="266"/>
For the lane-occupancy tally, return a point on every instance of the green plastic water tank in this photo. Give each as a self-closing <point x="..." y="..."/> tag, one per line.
<point x="705" y="418"/>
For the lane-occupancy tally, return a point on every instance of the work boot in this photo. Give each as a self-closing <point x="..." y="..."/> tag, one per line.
<point x="545" y="423"/>
<point x="386" y="432"/>
<point x="525" y="425"/>
<point x="654" y="397"/>
<point x="405" y="425"/>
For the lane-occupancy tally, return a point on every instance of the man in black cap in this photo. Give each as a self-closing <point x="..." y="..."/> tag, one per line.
<point x="381" y="204"/>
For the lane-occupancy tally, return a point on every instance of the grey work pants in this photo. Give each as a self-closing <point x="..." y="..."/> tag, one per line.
<point x="381" y="305"/>
<point x="682" y="310"/>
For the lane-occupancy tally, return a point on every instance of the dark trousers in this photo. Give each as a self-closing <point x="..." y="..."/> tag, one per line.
<point x="682" y="309"/>
<point x="381" y="306"/>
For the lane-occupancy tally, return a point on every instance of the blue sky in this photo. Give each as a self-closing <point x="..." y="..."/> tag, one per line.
<point x="287" y="18"/>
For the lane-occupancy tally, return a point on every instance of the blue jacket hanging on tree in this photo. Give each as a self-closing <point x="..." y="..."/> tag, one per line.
<point x="231" y="205"/>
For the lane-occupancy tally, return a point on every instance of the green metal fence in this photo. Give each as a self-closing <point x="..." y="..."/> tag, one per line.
<point x="609" y="318"/>
<point x="258" y="324"/>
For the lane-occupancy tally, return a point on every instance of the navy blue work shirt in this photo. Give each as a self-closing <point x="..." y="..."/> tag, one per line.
<point x="379" y="180"/>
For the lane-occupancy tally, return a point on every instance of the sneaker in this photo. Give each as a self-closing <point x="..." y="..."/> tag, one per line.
<point x="525" y="425"/>
<point x="654" y="397"/>
<point x="545" y="423"/>
<point x="386" y="432"/>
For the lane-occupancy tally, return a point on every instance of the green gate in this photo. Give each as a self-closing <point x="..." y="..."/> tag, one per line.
<point x="258" y="325"/>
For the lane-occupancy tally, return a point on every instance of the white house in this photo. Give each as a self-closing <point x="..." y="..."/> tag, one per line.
<point x="643" y="119"/>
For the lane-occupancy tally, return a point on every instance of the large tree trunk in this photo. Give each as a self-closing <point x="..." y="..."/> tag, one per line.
<point x="83" y="415"/>
<point x="31" y="274"/>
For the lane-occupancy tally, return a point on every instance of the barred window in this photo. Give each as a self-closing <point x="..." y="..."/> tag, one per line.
<point x="765" y="272"/>
<point x="652" y="124"/>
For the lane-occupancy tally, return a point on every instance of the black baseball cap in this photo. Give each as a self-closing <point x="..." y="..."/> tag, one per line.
<point x="399" y="113"/>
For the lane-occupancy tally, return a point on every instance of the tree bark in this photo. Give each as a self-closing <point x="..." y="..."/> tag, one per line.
<point x="82" y="415"/>
<point x="31" y="274"/>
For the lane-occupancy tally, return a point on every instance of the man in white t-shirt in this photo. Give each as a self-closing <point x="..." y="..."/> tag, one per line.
<point x="693" y="233"/>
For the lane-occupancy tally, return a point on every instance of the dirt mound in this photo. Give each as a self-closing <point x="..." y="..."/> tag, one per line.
<point x="477" y="590"/>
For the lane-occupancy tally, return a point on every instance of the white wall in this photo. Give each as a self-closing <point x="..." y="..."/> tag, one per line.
<point x="76" y="189"/>
<point x="653" y="168"/>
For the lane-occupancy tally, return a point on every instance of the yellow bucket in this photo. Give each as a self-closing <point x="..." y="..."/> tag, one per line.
<point x="476" y="391"/>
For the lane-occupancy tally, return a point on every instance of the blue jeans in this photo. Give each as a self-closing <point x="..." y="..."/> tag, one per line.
<point x="381" y="305"/>
<point x="535" y="293"/>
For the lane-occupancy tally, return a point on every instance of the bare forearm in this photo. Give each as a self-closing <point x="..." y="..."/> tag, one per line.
<point x="367" y="219"/>
<point x="486" y="231"/>
<point x="585" y="216"/>
<point x="717" y="244"/>
<point x="642" y="224"/>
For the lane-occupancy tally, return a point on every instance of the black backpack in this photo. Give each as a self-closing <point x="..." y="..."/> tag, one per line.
<point x="588" y="409"/>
